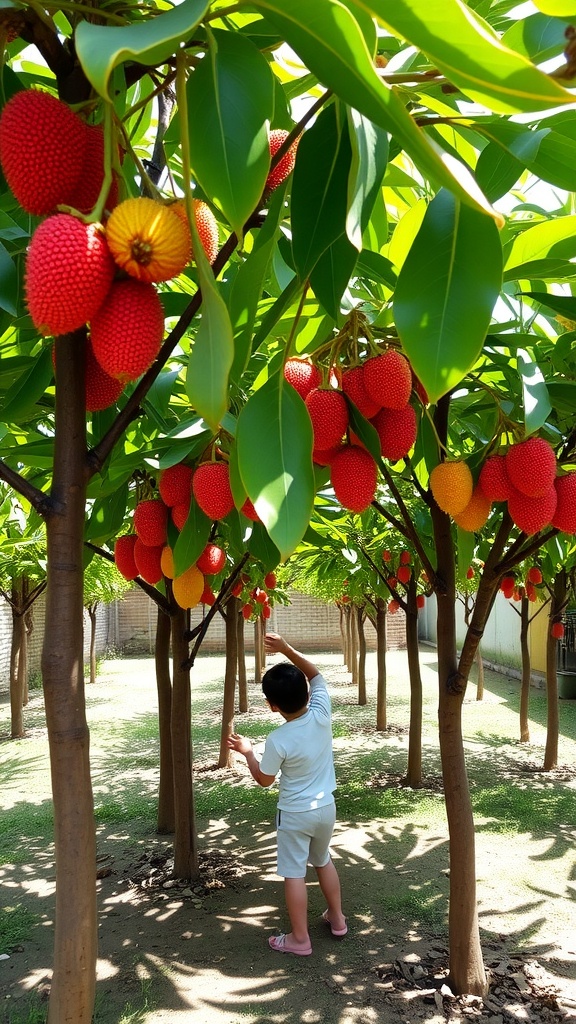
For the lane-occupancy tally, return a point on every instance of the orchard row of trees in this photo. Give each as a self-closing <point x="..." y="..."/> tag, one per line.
<point x="429" y="213"/>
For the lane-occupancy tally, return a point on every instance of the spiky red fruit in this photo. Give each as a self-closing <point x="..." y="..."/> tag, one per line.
<point x="151" y="522"/>
<point x="354" y="387"/>
<point x="127" y="330"/>
<point x="175" y="484"/>
<point x="124" y="556"/>
<point x="420" y="601"/>
<point x="557" y="630"/>
<point x="270" y="580"/>
<point x="531" y="467"/>
<point x="237" y="589"/>
<point x="149" y="562"/>
<point x="392" y="582"/>
<point x="393" y="607"/>
<point x="246" y="611"/>
<point x="180" y="514"/>
<point x="534" y="575"/>
<point x="249" y="511"/>
<point x="329" y="414"/>
<point x="564" y="517"/>
<point x="531" y="592"/>
<point x="532" y="514"/>
<point x="211" y="488"/>
<point x="321" y="458"/>
<point x="493" y="478"/>
<point x="302" y="375"/>
<point x="397" y="430"/>
<point x="266" y="611"/>
<point x="91" y="179"/>
<point x="388" y="380"/>
<point x="69" y="271"/>
<point x="507" y="585"/>
<point x="42" y="145"/>
<point x="285" y="165"/>
<point x="212" y="560"/>
<point x="101" y="389"/>
<point x="354" y="474"/>
<point x="260" y="596"/>
<point x="208" y="596"/>
<point x="404" y="573"/>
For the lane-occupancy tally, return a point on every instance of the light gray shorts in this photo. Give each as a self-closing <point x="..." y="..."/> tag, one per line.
<point x="304" y="837"/>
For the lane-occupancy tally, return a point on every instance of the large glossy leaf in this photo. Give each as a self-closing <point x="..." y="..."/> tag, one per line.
<point x="537" y="36"/>
<point x="211" y="358"/>
<point x="369" y="158"/>
<point x="230" y="102"/>
<point x="329" y="41"/>
<point x="8" y="282"/>
<point x="552" y="239"/>
<point x="329" y="278"/>
<point x="557" y="8"/>
<point x="107" y="516"/>
<point x="565" y="305"/>
<point x="320" y="188"/>
<point x="549" y="154"/>
<point x="192" y="539"/>
<point x="469" y="53"/>
<point x="20" y="399"/>
<point x="274" y="442"/>
<point x="446" y="292"/>
<point x="535" y="396"/>
<point x="101" y="48"/>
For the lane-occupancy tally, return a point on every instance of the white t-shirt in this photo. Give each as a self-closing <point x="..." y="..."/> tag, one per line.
<point x="301" y="750"/>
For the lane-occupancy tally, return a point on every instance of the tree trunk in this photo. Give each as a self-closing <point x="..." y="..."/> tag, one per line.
<point x="353" y="646"/>
<point x="75" y="935"/>
<point x="557" y="606"/>
<point x="165" y="815"/>
<point x="526" y="671"/>
<point x="242" y="678"/>
<point x="92" y="615"/>
<point x="343" y="634"/>
<point x="349" y="640"/>
<point x="17" y="646"/>
<point x="362" y="698"/>
<point x="185" y="837"/>
<point x="381" y="664"/>
<point x="480" y="679"/>
<point x="414" y="768"/>
<point x="258" y="661"/>
<point x="226" y="757"/>
<point x="25" y="671"/>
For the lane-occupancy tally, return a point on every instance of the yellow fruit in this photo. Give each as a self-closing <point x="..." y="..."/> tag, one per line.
<point x="476" y="512"/>
<point x="148" y="240"/>
<point x="451" y="484"/>
<point x="167" y="562"/>
<point x="188" y="587"/>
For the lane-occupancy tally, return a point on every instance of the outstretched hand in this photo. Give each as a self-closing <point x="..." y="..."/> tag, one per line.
<point x="239" y="743"/>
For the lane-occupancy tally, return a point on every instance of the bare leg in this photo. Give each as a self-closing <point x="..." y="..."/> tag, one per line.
<point x="297" y="905"/>
<point x="330" y="886"/>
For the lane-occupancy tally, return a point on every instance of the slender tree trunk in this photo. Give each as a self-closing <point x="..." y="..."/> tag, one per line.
<point x="480" y="680"/>
<point x="185" y="836"/>
<point x="349" y="640"/>
<point x="526" y="671"/>
<point x="343" y="634"/>
<point x="75" y="935"/>
<point x="258" y="661"/>
<point x="242" y="678"/>
<point x="381" y="664"/>
<point x="25" y="669"/>
<point x="165" y="816"/>
<point x="353" y="646"/>
<point x="17" y="648"/>
<point x="226" y="757"/>
<point x="92" y="615"/>
<point x="557" y="606"/>
<point x="414" y="768"/>
<point x="362" y="698"/>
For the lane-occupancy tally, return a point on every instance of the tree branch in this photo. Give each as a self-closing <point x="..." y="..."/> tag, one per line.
<point x="41" y="502"/>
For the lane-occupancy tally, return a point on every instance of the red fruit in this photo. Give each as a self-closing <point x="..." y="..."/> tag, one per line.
<point x="211" y="488"/>
<point x="270" y="580"/>
<point x="237" y="589"/>
<point x="392" y="582"/>
<point x="420" y="601"/>
<point x="404" y="573"/>
<point x="285" y="165"/>
<point x="69" y="271"/>
<point x="420" y="390"/>
<point x="532" y="514"/>
<point x="345" y="599"/>
<point x="246" y="611"/>
<point x="151" y="522"/>
<point x="564" y="517"/>
<point x="180" y="514"/>
<point x="534" y="575"/>
<point x="329" y="414"/>
<point x="207" y="227"/>
<point x="507" y="585"/>
<point x="386" y="556"/>
<point x="249" y="511"/>
<point x="397" y="430"/>
<point x="212" y="560"/>
<point x="388" y="380"/>
<point x="127" y="330"/>
<point x="266" y="611"/>
<point x="557" y="630"/>
<point x="208" y="596"/>
<point x="405" y="558"/>
<point x="493" y="478"/>
<point x="124" y="556"/>
<point x="175" y="484"/>
<point x="531" y="467"/>
<point x="531" y="592"/>
<point x="91" y="177"/>
<point x="302" y="375"/>
<point x="149" y="562"/>
<point x="518" y="593"/>
<point x="354" y="475"/>
<point x="42" y="143"/>
<point x="101" y="389"/>
<point x="320" y="458"/>
<point x="261" y="596"/>
<point x="470" y="573"/>
<point x="393" y="607"/>
<point x="354" y="387"/>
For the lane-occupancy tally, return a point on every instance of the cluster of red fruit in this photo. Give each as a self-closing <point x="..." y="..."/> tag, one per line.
<point x="380" y="388"/>
<point x="255" y="600"/>
<point x="525" y="477"/>
<point x="402" y="574"/>
<point x="514" y="590"/>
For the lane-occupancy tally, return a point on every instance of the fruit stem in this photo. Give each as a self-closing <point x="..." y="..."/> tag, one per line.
<point x="98" y="211"/>
<point x="205" y="274"/>
<point x="296" y="319"/>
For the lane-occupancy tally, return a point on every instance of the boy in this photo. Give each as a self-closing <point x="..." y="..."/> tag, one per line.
<point x="301" y="749"/>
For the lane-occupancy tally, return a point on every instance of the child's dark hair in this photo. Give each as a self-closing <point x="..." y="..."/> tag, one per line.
<point x="286" y="687"/>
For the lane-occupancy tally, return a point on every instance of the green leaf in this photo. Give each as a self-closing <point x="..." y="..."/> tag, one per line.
<point x="446" y="292"/>
<point x="319" y="188"/>
<point x="107" y="516"/>
<point x="329" y="278"/>
<point x="549" y="154"/>
<point x="230" y="102"/>
<point x="263" y="548"/>
<point x="365" y="431"/>
<point x="211" y="356"/>
<point x="537" y="37"/>
<point x="192" y="540"/>
<point x="469" y="53"/>
<point x="497" y="171"/>
<point x="274" y="439"/>
<point x="466" y="546"/>
<point x="101" y="48"/>
<point x="8" y="282"/>
<point x="375" y="267"/>
<point x="537" y="406"/>
<point x="369" y="158"/>
<point x="552" y="239"/>
<point x="21" y="398"/>
<point x="542" y="270"/>
<point x="565" y="305"/>
<point x="330" y="43"/>
<point x="557" y="8"/>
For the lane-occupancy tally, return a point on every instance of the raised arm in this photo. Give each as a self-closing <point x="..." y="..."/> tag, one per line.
<point x="276" y="644"/>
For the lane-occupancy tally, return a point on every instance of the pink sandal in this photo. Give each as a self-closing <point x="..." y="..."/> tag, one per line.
<point x="338" y="933"/>
<point x="278" y="944"/>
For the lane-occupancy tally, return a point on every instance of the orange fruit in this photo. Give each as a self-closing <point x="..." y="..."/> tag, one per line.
<point x="188" y="587"/>
<point x="148" y="240"/>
